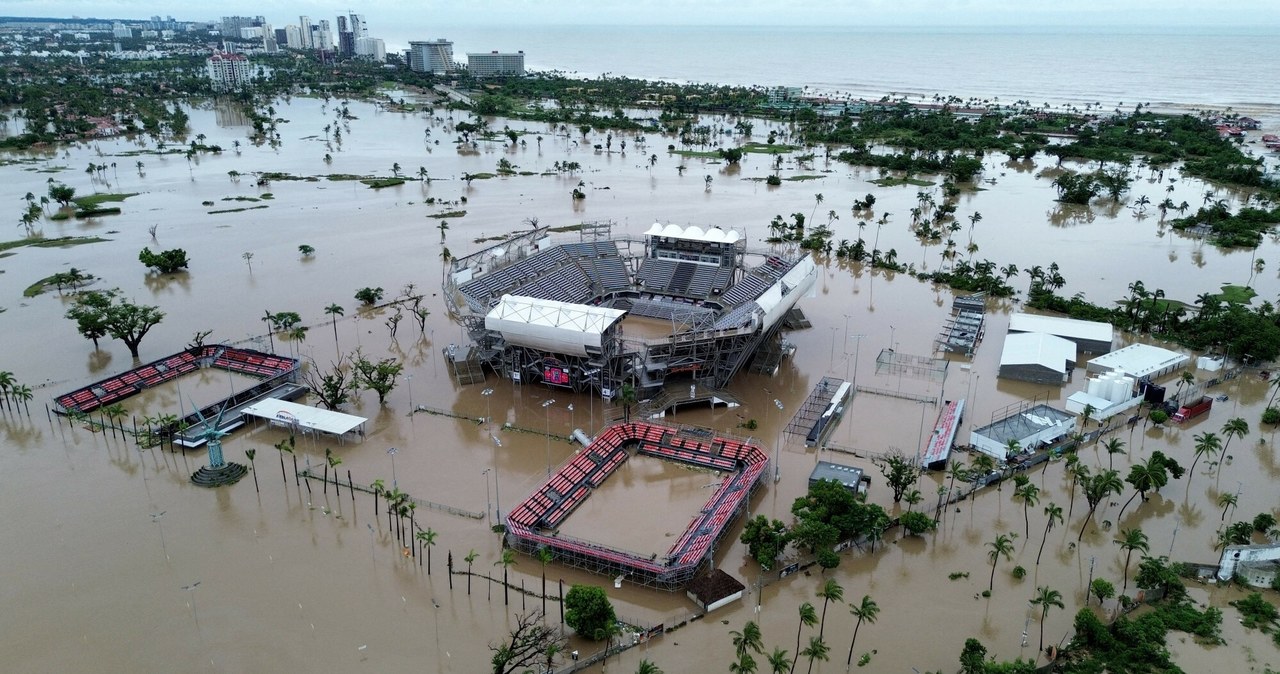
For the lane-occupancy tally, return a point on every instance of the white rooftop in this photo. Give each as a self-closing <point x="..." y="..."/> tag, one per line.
<point x="304" y="416"/>
<point x="556" y="327"/>
<point x="1038" y="348"/>
<point x="1071" y="328"/>
<point x="693" y="233"/>
<point x="553" y="314"/>
<point x="1139" y="360"/>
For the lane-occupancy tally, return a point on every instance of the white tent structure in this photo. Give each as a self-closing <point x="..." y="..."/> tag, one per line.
<point x="693" y="233"/>
<point x="555" y="327"/>
<point x="1139" y="360"/>
<point x="1037" y="357"/>
<point x="304" y="417"/>
<point x="1089" y="336"/>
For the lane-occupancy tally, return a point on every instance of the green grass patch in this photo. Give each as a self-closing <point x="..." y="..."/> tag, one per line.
<point x="765" y="148"/>
<point x="271" y="176"/>
<point x="51" y="169"/>
<point x="95" y="212"/>
<point x="448" y="214"/>
<point x="803" y="177"/>
<point x="267" y="196"/>
<point x="90" y="201"/>
<point x="566" y="228"/>
<point x="59" y="242"/>
<point x="528" y="173"/>
<point x="379" y="183"/>
<point x="500" y="237"/>
<point x="61" y="215"/>
<point x="894" y="182"/>
<point x="238" y="210"/>
<point x="47" y="282"/>
<point x="340" y="177"/>
<point x="1234" y="294"/>
<point x="241" y="199"/>
<point x="482" y="176"/>
<point x="705" y="154"/>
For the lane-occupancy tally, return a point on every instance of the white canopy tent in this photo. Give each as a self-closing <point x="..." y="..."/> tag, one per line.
<point x="694" y="233"/>
<point x="304" y="417"/>
<point x="558" y="327"/>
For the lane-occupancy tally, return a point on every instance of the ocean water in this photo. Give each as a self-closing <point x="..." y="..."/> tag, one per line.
<point x="1172" y="69"/>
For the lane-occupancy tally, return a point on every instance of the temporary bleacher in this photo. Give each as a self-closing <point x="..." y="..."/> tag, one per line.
<point x="665" y="310"/>
<point x="533" y="522"/>
<point x="656" y="274"/>
<point x="737" y="317"/>
<point x="502" y="281"/>
<point x="117" y="388"/>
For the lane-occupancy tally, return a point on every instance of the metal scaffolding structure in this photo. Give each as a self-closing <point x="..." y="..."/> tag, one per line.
<point x="916" y="367"/>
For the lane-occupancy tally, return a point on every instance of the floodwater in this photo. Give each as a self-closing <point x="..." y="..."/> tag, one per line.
<point x="117" y="562"/>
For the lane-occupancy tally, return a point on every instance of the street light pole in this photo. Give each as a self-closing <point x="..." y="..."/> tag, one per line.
<point x="546" y="405"/>
<point x="857" y="349"/>
<point x="777" y="469"/>
<point x="393" y="451"/>
<point x="409" y="378"/>
<point x="497" y="486"/>
<point x="488" y="504"/>
<point x="488" y="420"/>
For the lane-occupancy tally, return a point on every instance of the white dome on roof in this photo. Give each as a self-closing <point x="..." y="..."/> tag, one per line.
<point x="654" y="230"/>
<point x="673" y="231"/>
<point x="694" y="232"/>
<point x="715" y="234"/>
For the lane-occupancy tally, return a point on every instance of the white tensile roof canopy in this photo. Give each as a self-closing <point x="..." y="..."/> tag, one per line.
<point x="558" y="327"/>
<point x="693" y="233"/>
<point x="304" y="416"/>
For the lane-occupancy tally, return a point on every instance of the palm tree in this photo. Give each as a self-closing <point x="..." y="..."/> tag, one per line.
<point x="471" y="557"/>
<point x="1206" y="443"/>
<point x="744" y="665"/>
<point x="816" y="650"/>
<point x="808" y="617"/>
<point x="443" y="227"/>
<point x="1130" y="540"/>
<point x="544" y="557"/>
<point x="627" y="397"/>
<point x="866" y="611"/>
<point x="830" y="591"/>
<point x="646" y="667"/>
<point x="395" y="169"/>
<point x="1114" y="446"/>
<point x="506" y="562"/>
<point x="1145" y="476"/>
<point x="1096" y="488"/>
<point x="912" y="498"/>
<point x="779" y="663"/>
<point x="427" y="539"/>
<point x="1030" y="495"/>
<point x="1046" y="597"/>
<point x="1227" y="501"/>
<point x="1001" y="546"/>
<point x="1052" y="515"/>
<point x="334" y="311"/>
<point x="749" y="639"/>
<point x="1234" y="428"/>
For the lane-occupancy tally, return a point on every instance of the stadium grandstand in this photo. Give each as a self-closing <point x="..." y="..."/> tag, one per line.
<point x="590" y="314"/>
<point x="533" y="524"/>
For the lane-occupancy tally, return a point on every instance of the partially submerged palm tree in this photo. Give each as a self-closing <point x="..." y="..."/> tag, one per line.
<point x="1046" y="597"/>
<point x="864" y="612"/>
<point x="1001" y="546"/>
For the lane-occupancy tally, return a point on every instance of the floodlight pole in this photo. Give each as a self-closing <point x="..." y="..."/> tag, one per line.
<point x="497" y="486"/>
<point x="393" y="451"/>
<point x="546" y="405"/>
<point x="777" y="469"/>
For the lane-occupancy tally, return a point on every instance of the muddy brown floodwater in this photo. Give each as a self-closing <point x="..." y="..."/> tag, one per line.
<point x="116" y="562"/>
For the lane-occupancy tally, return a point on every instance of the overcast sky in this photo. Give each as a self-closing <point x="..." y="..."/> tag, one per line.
<point x="1135" y="14"/>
